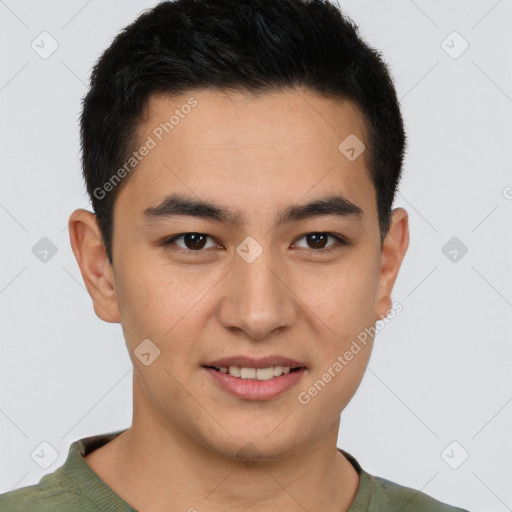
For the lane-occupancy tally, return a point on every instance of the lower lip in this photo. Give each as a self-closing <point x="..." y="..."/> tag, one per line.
<point x="253" y="389"/>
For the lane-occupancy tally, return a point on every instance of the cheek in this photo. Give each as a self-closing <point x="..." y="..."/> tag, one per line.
<point x="144" y="291"/>
<point x="343" y="301"/>
<point x="342" y="296"/>
<point x="160" y="301"/>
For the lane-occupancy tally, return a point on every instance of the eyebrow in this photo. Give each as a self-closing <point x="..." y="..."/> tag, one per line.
<point x="178" y="204"/>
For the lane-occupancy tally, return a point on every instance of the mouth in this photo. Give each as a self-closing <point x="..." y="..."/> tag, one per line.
<point x="270" y="372"/>
<point x="255" y="379"/>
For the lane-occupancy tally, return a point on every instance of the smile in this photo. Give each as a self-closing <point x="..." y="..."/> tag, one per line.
<point x="255" y="383"/>
<point x="255" y="373"/>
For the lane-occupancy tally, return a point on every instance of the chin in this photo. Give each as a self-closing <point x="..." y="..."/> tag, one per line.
<point x="252" y="447"/>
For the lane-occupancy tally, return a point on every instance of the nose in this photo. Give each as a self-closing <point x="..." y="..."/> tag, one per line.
<point x="257" y="298"/>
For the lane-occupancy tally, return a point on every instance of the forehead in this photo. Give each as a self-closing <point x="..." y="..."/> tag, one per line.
<point x="248" y="149"/>
<point x="231" y="118"/>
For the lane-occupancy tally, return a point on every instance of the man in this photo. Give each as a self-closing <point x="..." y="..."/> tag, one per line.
<point x="242" y="158"/>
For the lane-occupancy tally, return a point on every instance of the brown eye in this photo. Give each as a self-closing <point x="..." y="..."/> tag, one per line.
<point x="317" y="242"/>
<point x="191" y="241"/>
<point x="194" y="241"/>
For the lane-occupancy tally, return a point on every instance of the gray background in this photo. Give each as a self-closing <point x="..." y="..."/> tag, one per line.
<point x="440" y="371"/>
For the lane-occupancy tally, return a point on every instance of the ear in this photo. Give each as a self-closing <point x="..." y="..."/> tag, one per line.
<point x="97" y="273"/>
<point x="394" y="247"/>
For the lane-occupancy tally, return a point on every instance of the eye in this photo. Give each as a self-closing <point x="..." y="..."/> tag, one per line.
<point x="196" y="242"/>
<point x="193" y="242"/>
<point x="318" y="241"/>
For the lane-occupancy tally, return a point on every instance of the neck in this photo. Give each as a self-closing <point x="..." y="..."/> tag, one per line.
<point x="156" y="467"/>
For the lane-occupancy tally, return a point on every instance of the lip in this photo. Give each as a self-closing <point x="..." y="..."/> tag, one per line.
<point x="252" y="362"/>
<point x="253" y="389"/>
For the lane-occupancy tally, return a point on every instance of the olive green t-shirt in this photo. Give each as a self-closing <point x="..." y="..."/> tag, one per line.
<point x="75" y="487"/>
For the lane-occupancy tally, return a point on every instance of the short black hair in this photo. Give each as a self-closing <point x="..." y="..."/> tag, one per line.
<point x="254" y="46"/>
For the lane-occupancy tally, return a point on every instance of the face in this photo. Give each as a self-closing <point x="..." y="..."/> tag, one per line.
<point x="220" y="264"/>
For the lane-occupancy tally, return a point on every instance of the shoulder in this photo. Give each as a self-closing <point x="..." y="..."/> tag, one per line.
<point x="73" y="487"/>
<point x="377" y="494"/>
<point x="53" y="493"/>
<point x="406" y="499"/>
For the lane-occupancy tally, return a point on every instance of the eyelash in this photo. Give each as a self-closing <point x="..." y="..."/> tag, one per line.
<point x="340" y="242"/>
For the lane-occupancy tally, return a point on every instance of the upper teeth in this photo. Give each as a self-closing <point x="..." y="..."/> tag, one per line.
<point x="255" y="373"/>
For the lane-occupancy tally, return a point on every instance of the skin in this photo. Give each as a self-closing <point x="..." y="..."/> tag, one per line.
<point x="189" y="440"/>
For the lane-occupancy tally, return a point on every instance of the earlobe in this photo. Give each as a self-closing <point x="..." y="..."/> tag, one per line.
<point x="90" y="254"/>
<point x="393" y="252"/>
